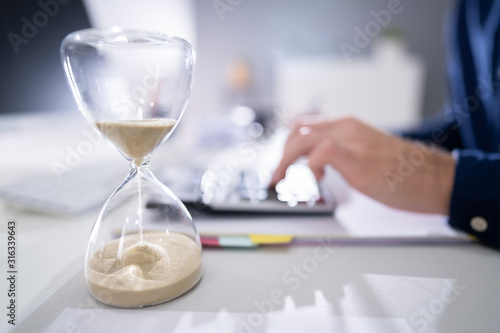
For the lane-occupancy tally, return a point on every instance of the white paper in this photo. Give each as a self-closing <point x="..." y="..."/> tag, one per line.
<point x="143" y="320"/>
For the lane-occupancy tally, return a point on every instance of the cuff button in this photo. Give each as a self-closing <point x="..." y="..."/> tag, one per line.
<point x="478" y="224"/>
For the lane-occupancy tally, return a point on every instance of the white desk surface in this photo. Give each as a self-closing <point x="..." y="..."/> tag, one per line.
<point x="361" y="288"/>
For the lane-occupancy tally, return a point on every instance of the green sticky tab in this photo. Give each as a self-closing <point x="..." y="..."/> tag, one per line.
<point x="236" y="241"/>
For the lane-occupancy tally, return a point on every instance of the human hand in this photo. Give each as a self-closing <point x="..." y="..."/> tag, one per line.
<point x="396" y="172"/>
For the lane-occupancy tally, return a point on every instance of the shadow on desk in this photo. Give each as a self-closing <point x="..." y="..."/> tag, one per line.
<point x="383" y="288"/>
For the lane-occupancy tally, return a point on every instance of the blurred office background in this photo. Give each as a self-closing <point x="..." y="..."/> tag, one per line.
<point x="267" y="54"/>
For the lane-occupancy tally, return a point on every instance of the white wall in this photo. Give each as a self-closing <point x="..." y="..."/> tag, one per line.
<point x="265" y="31"/>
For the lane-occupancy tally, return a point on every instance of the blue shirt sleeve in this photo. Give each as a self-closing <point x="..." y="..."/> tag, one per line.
<point x="471" y="121"/>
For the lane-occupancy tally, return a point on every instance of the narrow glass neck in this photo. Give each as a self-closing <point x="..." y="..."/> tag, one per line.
<point x="139" y="165"/>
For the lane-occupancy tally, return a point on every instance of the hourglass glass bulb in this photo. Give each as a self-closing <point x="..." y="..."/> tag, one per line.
<point x="136" y="138"/>
<point x="144" y="248"/>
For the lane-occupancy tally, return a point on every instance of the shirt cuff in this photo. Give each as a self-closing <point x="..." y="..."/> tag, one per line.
<point x="475" y="198"/>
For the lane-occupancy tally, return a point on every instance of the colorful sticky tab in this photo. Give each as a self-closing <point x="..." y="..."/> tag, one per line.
<point x="236" y="241"/>
<point x="209" y="241"/>
<point x="245" y="241"/>
<point x="271" y="239"/>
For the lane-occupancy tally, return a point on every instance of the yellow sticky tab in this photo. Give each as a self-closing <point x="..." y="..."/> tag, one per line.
<point x="271" y="239"/>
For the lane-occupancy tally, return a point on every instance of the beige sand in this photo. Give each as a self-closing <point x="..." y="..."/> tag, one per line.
<point x="136" y="138"/>
<point x="160" y="268"/>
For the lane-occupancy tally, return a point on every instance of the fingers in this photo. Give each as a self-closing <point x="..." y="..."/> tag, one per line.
<point x="300" y="142"/>
<point x="320" y="156"/>
<point x="306" y="137"/>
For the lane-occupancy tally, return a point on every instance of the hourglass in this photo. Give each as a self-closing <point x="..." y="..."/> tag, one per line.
<point x="133" y="87"/>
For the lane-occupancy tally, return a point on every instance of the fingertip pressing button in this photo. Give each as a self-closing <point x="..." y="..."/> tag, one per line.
<point x="478" y="224"/>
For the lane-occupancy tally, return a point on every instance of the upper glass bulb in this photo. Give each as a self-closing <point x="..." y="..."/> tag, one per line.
<point x="129" y="84"/>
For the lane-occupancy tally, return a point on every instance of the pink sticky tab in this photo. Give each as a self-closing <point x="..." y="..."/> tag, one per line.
<point x="209" y="241"/>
